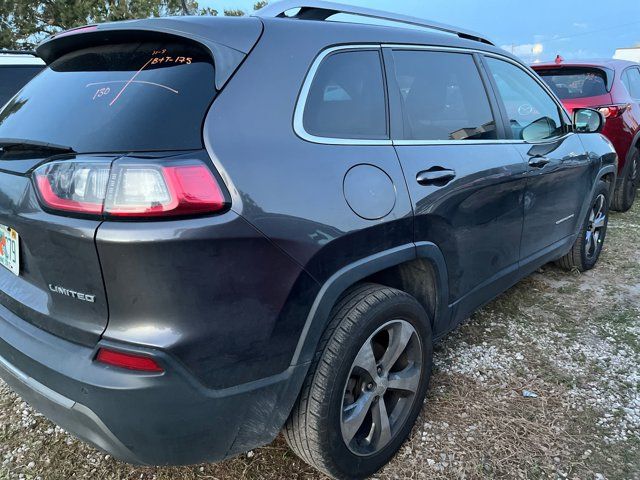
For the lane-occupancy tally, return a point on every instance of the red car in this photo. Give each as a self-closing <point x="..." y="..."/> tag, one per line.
<point x="612" y="86"/>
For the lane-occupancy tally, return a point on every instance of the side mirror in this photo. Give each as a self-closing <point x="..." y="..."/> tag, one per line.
<point x="538" y="130"/>
<point x="588" y="120"/>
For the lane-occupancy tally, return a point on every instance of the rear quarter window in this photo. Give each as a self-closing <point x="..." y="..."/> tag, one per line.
<point x="631" y="80"/>
<point x="122" y="97"/>
<point x="347" y="97"/>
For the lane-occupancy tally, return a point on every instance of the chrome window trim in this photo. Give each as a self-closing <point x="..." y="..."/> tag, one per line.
<point x="298" y="125"/>
<point x="298" y="116"/>
<point x="400" y="143"/>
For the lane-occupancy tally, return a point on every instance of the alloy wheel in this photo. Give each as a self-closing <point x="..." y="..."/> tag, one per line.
<point x="596" y="226"/>
<point x="381" y="387"/>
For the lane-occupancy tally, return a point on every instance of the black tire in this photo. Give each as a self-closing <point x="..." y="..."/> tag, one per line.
<point x="625" y="193"/>
<point x="313" y="430"/>
<point x="584" y="253"/>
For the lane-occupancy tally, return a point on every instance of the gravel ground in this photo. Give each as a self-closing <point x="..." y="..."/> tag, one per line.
<point x="541" y="383"/>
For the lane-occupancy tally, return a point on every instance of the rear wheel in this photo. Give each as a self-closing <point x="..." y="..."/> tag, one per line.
<point x="366" y="385"/>
<point x="586" y="250"/>
<point x="626" y="192"/>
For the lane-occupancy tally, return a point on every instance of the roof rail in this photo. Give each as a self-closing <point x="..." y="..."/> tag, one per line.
<point x="321" y="10"/>
<point x="17" y="52"/>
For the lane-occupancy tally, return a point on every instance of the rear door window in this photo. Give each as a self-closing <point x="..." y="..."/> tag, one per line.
<point x="122" y="97"/>
<point x="347" y="97"/>
<point x="443" y="96"/>
<point x="13" y="78"/>
<point x="532" y="113"/>
<point x="631" y="79"/>
<point x="570" y="83"/>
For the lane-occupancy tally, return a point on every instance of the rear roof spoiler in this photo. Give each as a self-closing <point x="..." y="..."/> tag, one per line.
<point x="321" y="10"/>
<point x="229" y="40"/>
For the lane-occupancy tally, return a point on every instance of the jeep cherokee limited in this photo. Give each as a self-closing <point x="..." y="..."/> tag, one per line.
<point x="215" y="229"/>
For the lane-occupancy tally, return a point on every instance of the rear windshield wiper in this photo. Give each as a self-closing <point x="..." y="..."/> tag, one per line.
<point x="16" y="145"/>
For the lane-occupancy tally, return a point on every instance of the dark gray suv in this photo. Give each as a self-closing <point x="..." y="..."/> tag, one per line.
<point x="215" y="229"/>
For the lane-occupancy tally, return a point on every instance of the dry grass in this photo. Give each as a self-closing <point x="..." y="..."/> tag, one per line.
<point x="573" y="339"/>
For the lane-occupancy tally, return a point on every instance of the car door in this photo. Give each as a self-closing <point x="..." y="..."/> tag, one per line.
<point x="631" y="80"/>
<point x="560" y="171"/>
<point x="466" y="185"/>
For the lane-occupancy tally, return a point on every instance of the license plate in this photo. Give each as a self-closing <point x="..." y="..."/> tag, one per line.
<point x="10" y="249"/>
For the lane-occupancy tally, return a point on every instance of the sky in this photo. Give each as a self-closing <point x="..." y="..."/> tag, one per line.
<point x="572" y="29"/>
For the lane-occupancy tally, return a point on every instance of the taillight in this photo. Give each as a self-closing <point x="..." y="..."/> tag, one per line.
<point x="126" y="189"/>
<point x="612" y="111"/>
<point x="145" y="191"/>
<point x="129" y="361"/>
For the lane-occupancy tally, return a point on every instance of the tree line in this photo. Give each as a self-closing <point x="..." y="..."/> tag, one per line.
<point x="24" y="23"/>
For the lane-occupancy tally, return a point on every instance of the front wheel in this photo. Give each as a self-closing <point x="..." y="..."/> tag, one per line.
<point x="366" y="385"/>
<point x="587" y="248"/>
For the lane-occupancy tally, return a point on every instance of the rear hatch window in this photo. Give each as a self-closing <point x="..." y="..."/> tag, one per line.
<point x="572" y="83"/>
<point x="143" y="96"/>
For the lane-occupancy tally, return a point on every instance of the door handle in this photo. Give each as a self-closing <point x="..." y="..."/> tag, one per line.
<point x="435" y="176"/>
<point x="538" y="161"/>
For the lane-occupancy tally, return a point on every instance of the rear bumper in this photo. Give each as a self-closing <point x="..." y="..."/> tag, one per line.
<point x="154" y="419"/>
<point x="64" y="411"/>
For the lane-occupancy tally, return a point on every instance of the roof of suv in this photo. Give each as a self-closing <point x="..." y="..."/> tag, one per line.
<point x="612" y="63"/>
<point x="17" y="57"/>
<point x="238" y="33"/>
<point x="323" y="10"/>
<point x="346" y="32"/>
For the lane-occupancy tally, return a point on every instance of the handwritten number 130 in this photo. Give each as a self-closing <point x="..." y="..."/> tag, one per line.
<point x="101" y="92"/>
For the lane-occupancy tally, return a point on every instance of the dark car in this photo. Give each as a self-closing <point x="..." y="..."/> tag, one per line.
<point x="16" y="69"/>
<point x="613" y="87"/>
<point x="216" y="229"/>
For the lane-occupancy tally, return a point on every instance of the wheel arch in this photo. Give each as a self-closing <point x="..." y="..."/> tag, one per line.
<point x="636" y="141"/>
<point x="606" y="174"/>
<point x="401" y="267"/>
<point x="634" y="145"/>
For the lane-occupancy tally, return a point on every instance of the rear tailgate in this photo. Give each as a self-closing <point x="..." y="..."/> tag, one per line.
<point x="59" y="287"/>
<point x="133" y="87"/>
<point x="578" y="86"/>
